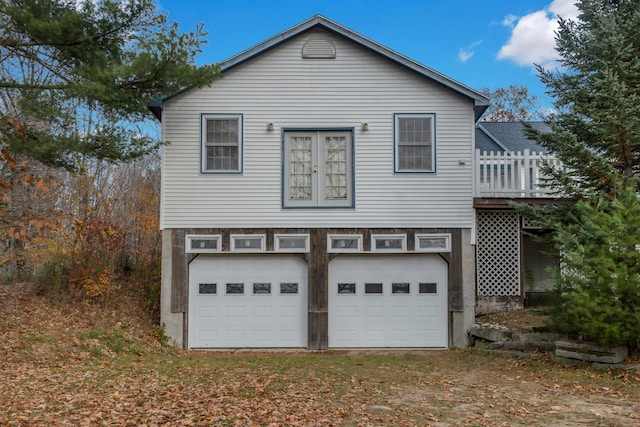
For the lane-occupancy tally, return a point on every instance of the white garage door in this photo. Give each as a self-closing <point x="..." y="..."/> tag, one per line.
<point x="388" y="301"/>
<point x="254" y="301"/>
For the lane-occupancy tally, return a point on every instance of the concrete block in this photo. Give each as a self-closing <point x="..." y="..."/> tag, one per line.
<point x="591" y="352"/>
<point x="513" y="345"/>
<point x="540" y="337"/>
<point x="540" y="346"/>
<point x="489" y="333"/>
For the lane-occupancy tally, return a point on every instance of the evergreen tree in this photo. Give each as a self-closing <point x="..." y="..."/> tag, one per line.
<point x="596" y="131"/>
<point x="76" y="77"/>
<point x="596" y="134"/>
<point x="599" y="296"/>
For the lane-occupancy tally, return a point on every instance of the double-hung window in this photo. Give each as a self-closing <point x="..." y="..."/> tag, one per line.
<point x="414" y="142"/>
<point x="318" y="168"/>
<point x="221" y="143"/>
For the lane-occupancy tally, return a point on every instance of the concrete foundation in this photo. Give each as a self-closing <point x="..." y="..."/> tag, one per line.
<point x="462" y="321"/>
<point x="173" y="323"/>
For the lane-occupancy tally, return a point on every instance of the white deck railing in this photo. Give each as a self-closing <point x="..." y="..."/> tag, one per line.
<point x="512" y="174"/>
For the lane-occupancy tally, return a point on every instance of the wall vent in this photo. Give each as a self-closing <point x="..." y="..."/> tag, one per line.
<point x="318" y="49"/>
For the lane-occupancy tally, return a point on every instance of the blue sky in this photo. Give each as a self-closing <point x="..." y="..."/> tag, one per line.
<point x="488" y="43"/>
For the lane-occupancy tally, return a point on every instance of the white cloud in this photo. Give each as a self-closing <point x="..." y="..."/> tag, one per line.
<point x="533" y="36"/>
<point x="565" y="9"/>
<point x="509" y="20"/>
<point x="467" y="52"/>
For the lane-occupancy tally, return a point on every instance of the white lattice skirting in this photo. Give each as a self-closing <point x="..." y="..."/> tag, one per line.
<point x="498" y="253"/>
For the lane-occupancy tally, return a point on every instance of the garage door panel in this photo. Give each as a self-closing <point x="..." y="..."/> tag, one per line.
<point x="402" y="312"/>
<point x="262" y="264"/>
<point x="208" y="312"/>
<point x="208" y="335"/>
<point x="430" y="316"/>
<point x="235" y="264"/>
<point x="266" y="313"/>
<point x="235" y="334"/>
<point x="374" y="312"/>
<point x="262" y="336"/>
<point x="375" y="336"/>
<point x="347" y="312"/>
<point x="347" y="335"/>
<point x="262" y="312"/>
<point x="236" y="312"/>
<point x="402" y="335"/>
<point x="291" y="313"/>
<point x="386" y="308"/>
<point x="212" y="266"/>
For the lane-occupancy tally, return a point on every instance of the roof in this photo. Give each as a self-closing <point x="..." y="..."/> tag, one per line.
<point x="508" y="136"/>
<point x="481" y="103"/>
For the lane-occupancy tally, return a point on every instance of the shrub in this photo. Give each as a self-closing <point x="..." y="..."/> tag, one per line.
<point x="598" y="284"/>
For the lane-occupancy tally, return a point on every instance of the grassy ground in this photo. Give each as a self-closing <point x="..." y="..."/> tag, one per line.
<point x="63" y="364"/>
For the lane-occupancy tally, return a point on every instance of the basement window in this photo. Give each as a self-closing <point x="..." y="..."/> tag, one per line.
<point x="433" y="242"/>
<point x="247" y="242"/>
<point x="388" y="242"/>
<point x="291" y="242"/>
<point x="196" y="244"/>
<point x="344" y="242"/>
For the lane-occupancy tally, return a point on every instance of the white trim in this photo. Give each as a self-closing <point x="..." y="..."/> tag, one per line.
<point x="402" y="237"/>
<point x="235" y="248"/>
<point x="446" y="248"/>
<point x="357" y="237"/>
<point x="276" y="242"/>
<point x="189" y="238"/>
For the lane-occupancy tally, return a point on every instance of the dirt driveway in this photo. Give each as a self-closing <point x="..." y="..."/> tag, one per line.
<point x="62" y="364"/>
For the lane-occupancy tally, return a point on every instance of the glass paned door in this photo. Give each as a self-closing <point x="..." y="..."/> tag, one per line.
<point x="318" y="169"/>
<point x="335" y="167"/>
<point x="301" y="168"/>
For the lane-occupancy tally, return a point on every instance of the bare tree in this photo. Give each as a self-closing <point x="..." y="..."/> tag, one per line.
<point x="511" y="104"/>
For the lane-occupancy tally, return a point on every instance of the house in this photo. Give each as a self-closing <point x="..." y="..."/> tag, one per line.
<point x="512" y="264"/>
<point x="319" y="195"/>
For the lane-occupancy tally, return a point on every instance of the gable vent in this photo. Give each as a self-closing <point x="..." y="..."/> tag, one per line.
<point x="319" y="48"/>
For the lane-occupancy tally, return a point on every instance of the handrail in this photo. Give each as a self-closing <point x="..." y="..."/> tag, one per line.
<point x="512" y="174"/>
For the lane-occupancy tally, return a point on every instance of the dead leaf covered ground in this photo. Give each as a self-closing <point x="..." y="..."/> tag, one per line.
<point x="63" y="364"/>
